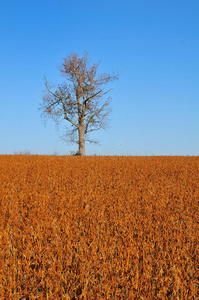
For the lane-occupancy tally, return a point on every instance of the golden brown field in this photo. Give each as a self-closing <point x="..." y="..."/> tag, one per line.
<point x="99" y="227"/>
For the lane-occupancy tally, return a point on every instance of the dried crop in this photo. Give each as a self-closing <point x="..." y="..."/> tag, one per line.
<point x="99" y="227"/>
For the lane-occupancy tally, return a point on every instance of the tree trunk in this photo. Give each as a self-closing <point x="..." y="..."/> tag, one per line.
<point x="81" y="140"/>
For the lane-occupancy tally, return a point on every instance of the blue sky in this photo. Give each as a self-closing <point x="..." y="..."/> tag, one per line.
<point x="153" y="43"/>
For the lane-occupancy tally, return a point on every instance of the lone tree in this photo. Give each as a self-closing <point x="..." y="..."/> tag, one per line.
<point x="79" y="100"/>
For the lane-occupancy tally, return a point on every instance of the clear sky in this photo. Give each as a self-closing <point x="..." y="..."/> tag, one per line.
<point x="153" y="43"/>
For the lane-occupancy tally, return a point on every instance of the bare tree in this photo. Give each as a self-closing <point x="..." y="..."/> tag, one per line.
<point x="79" y="100"/>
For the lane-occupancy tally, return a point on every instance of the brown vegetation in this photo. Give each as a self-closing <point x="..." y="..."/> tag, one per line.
<point x="99" y="227"/>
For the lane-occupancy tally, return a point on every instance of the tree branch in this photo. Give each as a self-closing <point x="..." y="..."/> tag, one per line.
<point x="66" y="117"/>
<point x="46" y="84"/>
<point x="94" y="129"/>
<point x="93" y="96"/>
